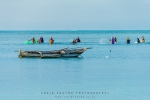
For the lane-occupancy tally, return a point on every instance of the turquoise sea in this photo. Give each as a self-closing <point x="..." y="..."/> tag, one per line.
<point x="105" y="72"/>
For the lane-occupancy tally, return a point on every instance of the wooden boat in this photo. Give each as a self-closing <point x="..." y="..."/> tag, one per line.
<point x="41" y="54"/>
<point x="66" y="52"/>
<point x="73" y="52"/>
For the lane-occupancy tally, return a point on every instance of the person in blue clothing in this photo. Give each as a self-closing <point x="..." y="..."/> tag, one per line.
<point x="138" y="40"/>
<point x="78" y="40"/>
<point x="127" y="40"/>
<point x="42" y="40"/>
<point x="112" y="40"/>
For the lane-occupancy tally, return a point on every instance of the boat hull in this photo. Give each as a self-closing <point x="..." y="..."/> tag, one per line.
<point x="73" y="52"/>
<point x="38" y="54"/>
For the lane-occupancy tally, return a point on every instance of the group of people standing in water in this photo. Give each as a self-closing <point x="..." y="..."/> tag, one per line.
<point x="51" y="40"/>
<point x="113" y="40"/>
<point x="142" y="40"/>
<point x="41" y="40"/>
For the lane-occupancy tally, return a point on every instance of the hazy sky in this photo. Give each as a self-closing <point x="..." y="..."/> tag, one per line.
<point x="74" y="14"/>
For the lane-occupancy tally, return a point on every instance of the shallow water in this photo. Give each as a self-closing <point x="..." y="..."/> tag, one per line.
<point x="122" y="73"/>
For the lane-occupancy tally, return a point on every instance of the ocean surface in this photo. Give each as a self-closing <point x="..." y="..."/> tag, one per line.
<point x="105" y="72"/>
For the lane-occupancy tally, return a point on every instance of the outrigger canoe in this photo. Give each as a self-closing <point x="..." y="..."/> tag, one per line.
<point x="66" y="52"/>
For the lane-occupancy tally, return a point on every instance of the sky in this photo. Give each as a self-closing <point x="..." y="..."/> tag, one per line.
<point x="74" y="14"/>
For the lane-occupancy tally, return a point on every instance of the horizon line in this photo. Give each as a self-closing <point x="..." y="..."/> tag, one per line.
<point x="79" y="30"/>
